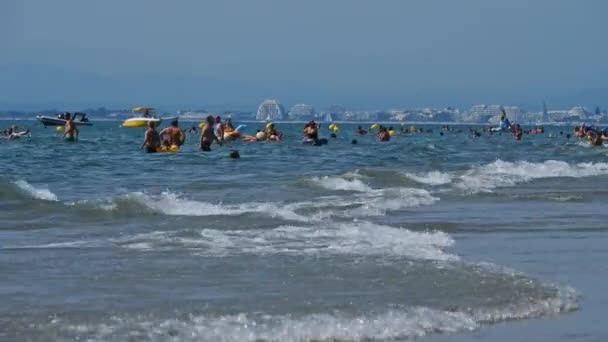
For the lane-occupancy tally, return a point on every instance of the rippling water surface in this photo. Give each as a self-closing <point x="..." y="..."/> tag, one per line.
<point x="426" y="236"/>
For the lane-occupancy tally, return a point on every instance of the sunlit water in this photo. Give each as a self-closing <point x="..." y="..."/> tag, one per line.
<point x="426" y="236"/>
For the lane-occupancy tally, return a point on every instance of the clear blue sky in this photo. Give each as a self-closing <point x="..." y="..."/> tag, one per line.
<point x="408" y="52"/>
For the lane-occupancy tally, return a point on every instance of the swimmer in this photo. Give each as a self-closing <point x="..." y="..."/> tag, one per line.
<point x="228" y="126"/>
<point x="208" y="136"/>
<point x="311" y="131"/>
<point x="517" y="132"/>
<point x="174" y="135"/>
<point x="151" y="139"/>
<point x="15" y="134"/>
<point x="71" y="131"/>
<point x="361" y="131"/>
<point x="271" y="132"/>
<point x="383" y="134"/>
<point x="234" y="154"/>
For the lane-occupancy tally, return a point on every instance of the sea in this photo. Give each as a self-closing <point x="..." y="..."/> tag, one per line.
<point x="433" y="236"/>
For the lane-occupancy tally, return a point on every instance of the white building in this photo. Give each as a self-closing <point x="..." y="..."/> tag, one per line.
<point x="578" y="112"/>
<point x="270" y="109"/>
<point x="483" y="113"/>
<point x="301" y="112"/>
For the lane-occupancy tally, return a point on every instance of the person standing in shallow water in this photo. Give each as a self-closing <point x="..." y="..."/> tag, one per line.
<point x="174" y="135"/>
<point x="208" y="135"/>
<point x="219" y="128"/>
<point x="71" y="131"/>
<point x="151" y="139"/>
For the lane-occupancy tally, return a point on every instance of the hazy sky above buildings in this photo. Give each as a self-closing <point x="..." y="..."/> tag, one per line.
<point x="350" y="51"/>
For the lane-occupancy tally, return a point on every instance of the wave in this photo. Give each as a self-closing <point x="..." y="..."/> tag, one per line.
<point x="501" y="173"/>
<point x="394" y="324"/>
<point x="340" y="183"/>
<point x="431" y="178"/>
<point x="360" y="238"/>
<point x="373" y="202"/>
<point x="563" y="300"/>
<point x="40" y="193"/>
<point x="170" y="203"/>
<point x="416" y="322"/>
<point x="505" y="174"/>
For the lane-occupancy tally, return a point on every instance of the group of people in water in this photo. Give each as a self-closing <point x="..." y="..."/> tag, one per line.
<point x="594" y="135"/>
<point x="214" y="130"/>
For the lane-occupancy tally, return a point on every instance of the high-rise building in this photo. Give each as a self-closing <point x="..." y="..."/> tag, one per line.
<point x="301" y="112"/>
<point x="483" y="113"/>
<point x="270" y="109"/>
<point x="545" y="117"/>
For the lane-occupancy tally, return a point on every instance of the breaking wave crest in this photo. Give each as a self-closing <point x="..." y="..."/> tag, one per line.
<point x="431" y="178"/>
<point x="170" y="203"/>
<point x="504" y="174"/>
<point x="373" y="202"/>
<point x="500" y="174"/>
<point x="40" y="193"/>
<point x="360" y="238"/>
<point x="339" y="183"/>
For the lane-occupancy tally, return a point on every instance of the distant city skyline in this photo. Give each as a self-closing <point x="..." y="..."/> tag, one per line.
<point x="354" y="52"/>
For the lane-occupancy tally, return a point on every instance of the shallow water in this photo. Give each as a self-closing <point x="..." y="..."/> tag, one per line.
<point x="426" y="236"/>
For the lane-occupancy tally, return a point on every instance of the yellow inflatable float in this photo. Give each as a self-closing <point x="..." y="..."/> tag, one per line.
<point x="172" y="148"/>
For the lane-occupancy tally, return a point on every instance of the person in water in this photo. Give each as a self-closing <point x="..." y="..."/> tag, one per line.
<point x="151" y="139"/>
<point x="208" y="135"/>
<point x="219" y="128"/>
<point x="311" y="131"/>
<point x="383" y="134"/>
<point x="228" y="126"/>
<point x="15" y="134"/>
<point x="361" y="131"/>
<point x="271" y="132"/>
<point x="517" y="132"/>
<point x="596" y="138"/>
<point x="71" y="131"/>
<point x="174" y="135"/>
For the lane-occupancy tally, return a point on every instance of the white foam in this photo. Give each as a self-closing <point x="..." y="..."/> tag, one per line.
<point x="360" y="238"/>
<point x="379" y="202"/>
<point x="406" y="324"/>
<point x="394" y="324"/>
<point x="170" y="203"/>
<point x="565" y="300"/>
<point x="373" y="202"/>
<point x="78" y="244"/>
<point x="339" y="183"/>
<point x="431" y="178"/>
<point x="38" y="193"/>
<point x="503" y="174"/>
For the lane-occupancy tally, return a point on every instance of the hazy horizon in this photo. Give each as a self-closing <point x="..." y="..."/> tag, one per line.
<point x="357" y="53"/>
